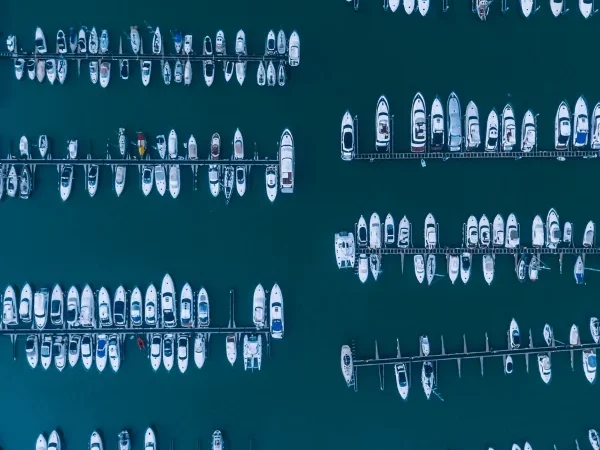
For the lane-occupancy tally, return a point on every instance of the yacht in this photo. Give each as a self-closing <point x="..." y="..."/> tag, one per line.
<point x="11" y="43"/>
<point x="160" y="179"/>
<point x="41" y="443"/>
<point x="40" y="308"/>
<point x="168" y="351"/>
<point x="120" y="307"/>
<point x="473" y="135"/>
<point x="32" y="351"/>
<point x="40" y="70"/>
<point x="87" y="316"/>
<point x="562" y="127"/>
<point x="114" y="352"/>
<point x="382" y="124"/>
<point x="231" y="348"/>
<point x="409" y="6"/>
<point x="595" y="131"/>
<point x="203" y="308"/>
<point x="57" y="301"/>
<point x="498" y="231"/>
<point x="40" y="41"/>
<point x="514" y="336"/>
<point x="200" y="350"/>
<point x="508" y="369"/>
<point x="453" y="267"/>
<point x="19" y="68"/>
<point x="595" y="329"/>
<point x="286" y="162"/>
<point x="488" y="268"/>
<point x="513" y="239"/>
<point x="347" y="365"/>
<point x="537" y="232"/>
<point x="252" y="352"/>
<point x="146" y="70"/>
<point x="557" y="7"/>
<point x="389" y="230"/>
<point x="484" y="231"/>
<point x="213" y="170"/>
<point x="101" y="353"/>
<point x="588" y="235"/>
<point x="228" y="183"/>
<point x="188" y="41"/>
<point x="73" y="306"/>
<point x="147" y="179"/>
<point x="585" y="8"/>
<point x="157" y="45"/>
<point x="178" y="72"/>
<point x="574" y="335"/>
<point x="552" y="229"/>
<point x="427" y="378"/>
<point x="418" y="124"/>
<point x="54" y="441"/>
<point x="276" y="312"/>
<point x="581" y="125"/>
<point x="104" y="308"/>
<point x="30" y="65"/>
<point x="528" y="132"/>
<point x="271" y="179"/>
<point x="240" y="171"/>
<point x="186" y="309"/>
<point x="9" y="307"/>
<point x="423" y="7"/>
<point x="120" y="176"/>
<point x="25" y="183"/>
<point x="526" y="7"/>
<point x="509" y="129"/>
<point x="60" y="353"/>
<point x="375" y="231"/>
<point x="579" y="270"/>
<point x="281" y="77"/>
<point x="182" y="352"/>
<point x="187" y="73"/>
<point x="361" y="232"/>
<point x="472" y="234"/>
<point x="220" y="44"/>
<point x="43" y="145"/>
<point x="404" y="233"/>
<point x="589" y="364"/>
<point x="87" y="352"/>
<point x="149" y="439"/>
<point x="104" y="73"/>
<point x="419" y="263"/>
<point x="217" y="441"/>
<point x="74" y="349"/>
<point x="61" y="70"/>
<point x="347" y="139"/>
<point x="94" y="66"/>
<point x="568" y="233"/>
<point x="402" y="380"/>
<point x="66" y="180"/>
<point x="92" y="179"/>
<point x="26" y="304"/>
<point x="167" y="302"/>
<point x="155" y="351"/>
<point x="259" y="312"/>
<point x="363" y="267"/>
<point x="430" y="232"/>
<point x="548" y="335"/>
<point x="150" y="306"/>
<point x="465" y="267"/>
<point x="594" y="439"/>
<point x="174" y="180"/>
<point x="454" y="125"/>
<point x="294" y="49"/>
<point x="240" y="50"/>
<point x="136" y="307"/>
<point x="124" y="69"/>
<point x="437" y="131"/>
<point x="12" y="182"/>
<point x="271" y="74"/>
<point x="93" y="42"/>
<point x="46" y="352"/>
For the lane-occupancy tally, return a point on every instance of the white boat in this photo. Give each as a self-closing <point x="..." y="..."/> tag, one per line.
<point x="104" y="73"/>
<point x="188" y="43"/>
<point x="240" y="50"/>
<point x="178" y="71"/>
<point x="26" y="304"/>
<point x="167" y="74"/>
<point x="54" y="442"/>
<point x="528" y="132"/>
<point x="594" y="439"/>
<point x="375" y="231"/>
<point x="12" y="182"/>
<point x="172" y="145"/>
<point x="57" y="301"/>
<point x="252" y="352"/>
<point x="534" y="268"/>
<point x="286" y="162"/>
<point x="124" y="69"/>
<point x="401" y="380"/>
<point x="588" y="235"/>
<point x="281" y="43"/>
<point x="136" y="308"/>
<point x="187" y="74"/>
<point x="382" y="124"/>
<point x="418" y="124"/>
<point x="231" y="348"/>
<point x="41" y="443"/>
<point x="595" y="329"/>
<point x="199" y="350"/>
<point x="419" y="263"/>
<point x="94" y="71"/>
<point x="270" y="45"/>
<point x="430" y="232"/>
<point x="46" y="352"/>
<point x="361" y="232"/>
<point x="87" y="316"/>
<point x="526" y="7"/>
<point x="579" y="270"/>
<point x="548" y="335"/>
<point x="61" y="70"/>
<point x="276" y="312"/>
<point x="228" y="181"/>
<point x="472" y="130"/>
<point x="363" y="267"/>
<point x="390" y="230"/>
<point x="146" y="69"/>
<point x="454" y="125"/>
<point x="149" y="439"/>
<point x="104" y="308"/>
<point x="568" y="233"/>
<point x="488" y="268"/>
<point x="60" y="353"/>
<point x="186" y="306"/>
<point x="589" y="365"/>
<point x="581" y="125"/>
<point x="73" y="306"/>
<point x="167" y="302"/>
<point x="147" y="179"/>
<point x="498" y="231"/>
<point x="228" y="69"/>
<point x="168" y="351"/>
<point x="557" y="6"/>
<point x="427" y="378"/>
<point x="472" y="233"/>
<point x="271" y="74"/>
<point x="40" y="70"/>
<point x="95" y="441"/>
<point x="104" y="41"/>
<point x="409" y="6"/>
<point x="514" y="335"/>
<point x="513" y="239"/>
<point x="182" y="352"/>
<point x="425" y="347"/>
<point x="404" y="233"/>
<point x="30" y="65"/>
<point x="545" y="368"/>
<point x="537" y="232"/>
<point x="214" y="170"/>
<point x="595" y="131"/>
<point x="423" y="7"/>
<point x="562" y="127"/>
<point x="281" y="76"/>
<point x="87" y="351"/>
<point x="347" y="365"/>
<point x="40" y="308"/>
<point x="294" y="49"/>
<point x="120" y="176"/>
<point x="240" y="171"/>
<point x="552" y="229"/>
<point x="465" y="267"/>
<point x="574" y="335"/>
<point x="484" y="231"/>
<point x="157" y="44"/>
<point x="217" y="441"/>
<point x="114" y="352"/>
<point x="93" y="42"/>
<point x="393" y="5"/>
<point x="220" y="44"/>
<point x="585" y="8"/>
<point x="436" y="126"/>
<point x="101" y="352"/>
<point x="19" y="68"/>
<point x="82" y="41"/>
<point x="375" y="265"/>
<point x="453" y="267"/>
<point x="174" y="180"/>
<point x="156" y="351"/>
<point x="509" y="129"/>
<point x="261" y="74"/>
<point x="74" y="349"/>
<point x="32" y="351"/>
<point x="259" y="312"/>
<point x="430" y="268"/>
<point x="271" y="179"/>
<point x="24" y="147"/>
<point x="11" y="43"/>
<point x="40" y="41"/>
<point x="134" y="38"/>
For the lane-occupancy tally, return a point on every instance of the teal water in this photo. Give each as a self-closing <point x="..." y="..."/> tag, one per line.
<point x="299" y="399"/>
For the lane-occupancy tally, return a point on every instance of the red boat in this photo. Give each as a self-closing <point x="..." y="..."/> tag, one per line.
<point x="141" y="343"/>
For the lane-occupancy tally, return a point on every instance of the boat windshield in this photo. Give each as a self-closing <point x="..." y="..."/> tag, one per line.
<point x="240" y="174"/>
<point x="466" y="263"/>
<point x="276" y="325"/>
<point x="592" y="362"/>
<point x="210" y="70"/>
<point x="516" y="338"/>
<point x="45" y="349"/>
<point x="348" y="140"/>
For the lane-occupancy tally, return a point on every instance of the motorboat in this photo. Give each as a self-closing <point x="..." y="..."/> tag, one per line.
<point x="473" y="135"/>
<point x="240" y="50"/>
<point x="363" y="267"/>
<point x="213" y="169"/>
<point x="472" y="233"/>
<point x="382" y="124"/>
<point x="192" y="147"/>
<point x="60" y="353"/>
<point x="87" y="315"/>
<point x="537" y="232"/>
<point x="423" y="6"/>
<point x="40" y="308"/>
<point x="548" y="335"/>
<point x="168" y="351"/>
<point x="26" y="304"/>
<point x="172" y="145"/>
<point x="19" y="68"/>
<point x="418" y="124"/>
<point x="228" y="69"/>
<point x="157" y="44"/>
<point x="585" y="8"/>
<point x="401" y="380"/>
<point x="240" y="171"/>
<point x="390" y="230"/>
<point x="24" y="147"/>
<point x="281" y="76"/>
<point x="347" y="365"/>
<point x="182" y="352"/>
<point x="361" y="232"/>
<point x="11" y="43"/>
<point x="124" y="440"/>
<point x="562" y="127"/>
<point x="174" y="180"/>
<point x="61" y="70"/>
<point x="430" y="268"/>
<point x="124" y="69"/>
<point x="46" y="352"/>
<point x="187" y="73"/>
<point x="199" y="350"/>
<point x="104" y="41"/>
<point x="41" y="443"/>
<point x="514" y="335"/>
<point x="270" y="45"/>
<point x="588" y="235"/>
<point x="484" y="231"/>
<point x="568" y="233"/>
<point x="294" y="49"/>
<point x="146" y="69"/>
<point x="425" y="347"/>
<point x="498" y="231"/>
<point x="114" y="352"/>
<point x="92" y="179"/>
<point x="12" y="182"/>
<point x="375" y="231"/>
<point x="25" y="183"/>
<point x="228" y="183"/>
<point x="261" y="74"/>
<point x="82" y="41"/>
<point x="430" y="232"/>
<point x="595" y="329"/>
<point x="513" y="239"/>
<point x="147" y="179"/>
<point x="32" y="351"/>
<point x="557" y="7"/>
<point x="404" y="233"/>
<point x="409" y="6"/>
<point x="578" y="270"/>
<point x="552" y="229"/>
<point x="40" y="70"/>
<point x="281" y="43"/>
<point x="276" y="312"/>
<point x="594" y="439"/>
<point x="160" y="179"/>
<point x="488" y="268"/>
<point x="589" y="365"/>
<point x="595" y="131"/>
<point x="220" y="44"/>
<point x="574" y="335"/>
<point x="104" y="73"/>
<point x="453" y="267"/>
<point x="186" y="306"/>
<point x="87" y="352"/>
<point x="120" y="177"/>
<point x="534" y="268"/>
<point x="508" y="369"/>
<point x="149" y="439"/>
<point x="54" y="442"/>
<point x="252" y="352"/>
<point x="271" y="74"/>
<point x="94" y="71"/>
<point x="259" y="313"/>
<point x="454" y="124"/>
<point x="375" y="265"/>
<point x="465" y="267"/>
<point x="286" y="162"/>
<point x="30" y="65"/>
<point x="528" y="132"/>
<point x="271" y="182"/>
<point x="526" y="7"/>
<point x="188" y="41"/>
<point x="419" y="263"/>
<point x="93" y="42"/>
<point x="509" y="129"/>
<point x="57" y="301"/>
<point x="217" y="441"/>
<point x="581" y="125"/>
<point x="73" y="306"/>
<point x="427" y="378"/>
<point x="231" y="348"/>
<point x="104" y="308"/>
<point x="120" y="307"/>
<point x="156" y="351"/>
<point x="136" y="307"/>
<point x="74" y="349"/>
<point x="101" y="353"/>
<point x="436" y="127"/>
<point x="40" y="42"/>
<point x="167" y="302"/>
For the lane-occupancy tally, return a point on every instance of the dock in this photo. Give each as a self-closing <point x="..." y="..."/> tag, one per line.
<point x="140" y="162"/>
<point x="447" y="155"/>
<point x="479" y="251"/>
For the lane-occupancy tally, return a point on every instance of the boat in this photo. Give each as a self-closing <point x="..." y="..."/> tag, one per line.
<point x="46" y="352"/>
<point x="574" y="335"/>
<point x="40" y="41"/>
<point x="437" y="131"/>
<point x="562" y="127"/>
<point x="473" y="135"/>
<point x="82" y="42"/>
<point x="32" y="351"/>
<point x="157" y="42"/>
<point x="286" y="162"/>
<point x="281" y="76"/>
<point x="509" y="129"/>
<point x="589" y="365"/>
<point x="101" y="353"/>
<point x="465" y="267"/>
<point x="141" y="144"/>
<point x="213" y="169"/>
<point x="430" y="268"/>
<point x="276" y="312"/>
<point x="427" y="378"/>
<point x="124" y="440"/>
<point x="120" y="307"/>
<point x="548" y="335"/>
<point x="104" y="73"/>
<point x="270" y="45"/>
<point x="192" y="148"/>
<point x="24" y="147"/>
<point x="472" y="233"/>
<point x="418" y="124"/>
<point x="595" y="131"/>
<point x="25" y="183"/>
<point x="401" y="380"/>
<point x="261" y="74"/>
<point x="174" y="180"/>
<point x="87" y="354"/>
<point x="172" y="145"/>
<point x="595" y="329"/>
<point x="146" y="69"/>
<point x="430" y="232"/>
<point x="186" y="308"/>
<point x="182" y="352"/>
<point x="578" y="270"/>
<point x="526" y="7"/>
<point x="557" y="6"/>
<point x="93" y="42"/>
<point x="580" y="123"/>
<point x="149" y="439"/>
<point x="228" y="183"/>
<point x="454" y="125"/>
<point x="11" y="182"/>
<point x="528" y="132"/>
<point x="87" y="316"/>
<point x="95" y="441"/>
<point x="294" y="50"/>
<point x="534" y="268"/>
<point x="347" y="365"/>
<point x="41" y="443"/>
<point x="594" y="439"/>
<point x="168" y="352"/>
<point x="361" y="232"/>
<point x="228" y="69"/>
<point x="498" y="231"/>
<point x="11" y="43"/>
<point x="94" y="72"/>
<point x="26" y="304"/>
<point x="453" y="267"/>
<point x="271" y="74"/>
<point x="513" y="239"/>
<point x="31" y="69"/>
<point x="271" y="182"/>
<point x="363" y="267"/>
<point x="156" y="351"/>
<point x="252" y="352"/>
<point x="73" y="306"/>
<point x="588" y="235"/>
<point x="585" y="8"/>
<point x="259" y="312"/>
<point x="19" y="68"/>
<point x="199" y="350"/>
<point x="135" y="307"/>
<point x="423" y="6"/>
<point x="382" y="124"/>
<point x="404" y="233"/>
<point x="57" y="301"/>
<point x="508" y="369"/>
<point x="568" y="233"/>
<point x="124" y="69"/>
<point x="231" y="348"/>
<point x="240" y="171"/>
<point x="409" y="6"/>
<point x="240" y="50"/>
<point x="40" y="308"/>
<point x="217" y="441"/>
<point x="61" y="70"/>
<point x="104" y="41"/>
<point x="40" y="70"/>
<point x="104" y="308"/>
<point x="375" y="231"/>
<point x="390" y="230"/>
<point x="419" y="263"/>
<point x="552" y="229"/>
<point x="177" y="41"/>
<point x="281" y="42"/>
<point x="120" y="177"/>
<point x="220" y="43"/>
<point x="488" y="268"/>
<point x="187" y="44"/>
<point x="92" y="179"/>
<point x="514" y="335"/>
<point x="484" y="231"/>
<point x="160" y="179"/>
<point x="187" y="73"/>
<point x="167" y="302"/>
<point x="74" y="349"/>
<point x="537" y="232"/>
<point x="54" y="441"/>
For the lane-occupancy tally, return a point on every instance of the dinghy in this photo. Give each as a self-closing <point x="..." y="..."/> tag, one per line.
<point x="589" y="365"/>
<point x="276" y="312"/>
<point x="220" y="44"/>
<point x="585" y="8"/>
<point x="40" y="70"/>
<point x="281" y="42"/>
<point x="347" y="365"/>
<point x="472" y="233"/>
<point x="157" y="42"/>
<point x="562" y="127"/>
<point x="548" y="335"/>
<point x="146" y="69"/>
<point x="361" y="232"/>
<point x="595" y="329"/>
<point x="363" y="267"/>
<point x="93" y="42"/>
<point x="488" y="268"/>
<point x="375" y="231"/>
<point x="168" y="352"/>
<point x="382" y="124"/>
<point x="595" y="131"/>
<point x="213" y="169"/>
<point x="514" y="335"/>
<point x="594" y="439"/>
<point x="390" y="230"/>
<point x="454" y="123"/>
<point x="271" y="182"/>
<point x="87" y="353"/>
<point x="427" y="378"/>
<point x="347" y="136"/>
<point x="453" y="267"/>
<point x="580" y="123"/>
<point x="82" y="42"/>
<point x="557" y="6"/>
<point x="404" y="233"/>
<point x="491" y="132"/>
<point x="40" y="41"/>
<point x="240" y="50"/>
<point x="537" y="232"/>
<point x="187" y="44"/>
<point x="104" y="73"/>
<point x="261" y="74"/>
<point x="281" y="77"/>
<point x="259" y="313"/>
<point x="513" y="239"/>
<point x="26" y="304"/>
<point x="31" y="69"/>
<point x="418" y="124"/>
<point x="409" y="6"/>
<point x="545" y="368"/>
<point x="231" y="348"/>
<point x="534" y="268"/>
<point x="574" y="335"/>
<point x="155" y="351"/>
<point x="465" y="267"/>
<point x="509" y="129"/>
<point x="552" y="229"/>
<point x="375" y="265"/>
<point x="430" y="232"/>
<point x="270" y="44"/>
<point x="101" y="352"/>
<point x="271" y="75"/>
<point x="73" y="306"/>
<point x="498" y="231"/>
<point x="182" y="352"/>
<point x="40" y="308"/>
<point x="61" y="70"/>
<point x="437" y="131"/>
<point x="187" y="74"/>
<point x="94" y="72"/>
<point x="31" y="350"/>
<point x="46" y="352"/>
<point x="430" y="269"/>
<point x="294" y="50"/>
<point x="484" y="231"/>
<point x="419" y="262"/>
<point x="104" y="42"/>
<point x="588" y="235"/>
<point x="19" y="68"/>
<point x="473" y="138"/>
<point x="199" y="350"/>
